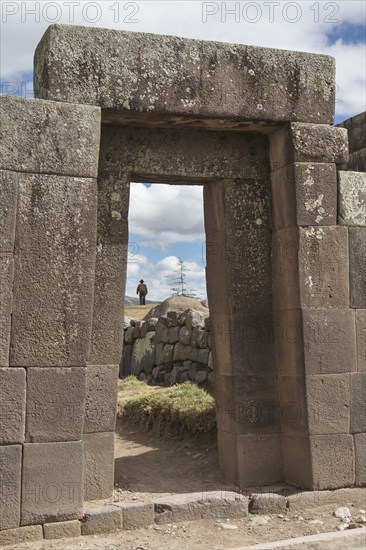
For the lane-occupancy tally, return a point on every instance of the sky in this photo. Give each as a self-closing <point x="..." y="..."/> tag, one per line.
<point x="170" y="225"/>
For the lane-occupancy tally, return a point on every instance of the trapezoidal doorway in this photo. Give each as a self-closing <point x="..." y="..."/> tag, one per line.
<point x="234" y="170"/>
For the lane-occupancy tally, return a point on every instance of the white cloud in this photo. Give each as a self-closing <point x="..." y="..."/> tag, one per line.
<point x="166" y="214"/>
<point x="20" y="33"/>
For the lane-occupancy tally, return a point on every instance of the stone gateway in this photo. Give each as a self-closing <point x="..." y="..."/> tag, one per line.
<point x="285" y="231"/>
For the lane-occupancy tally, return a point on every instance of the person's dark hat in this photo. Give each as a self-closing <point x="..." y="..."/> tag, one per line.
<point x="141" y="280"/>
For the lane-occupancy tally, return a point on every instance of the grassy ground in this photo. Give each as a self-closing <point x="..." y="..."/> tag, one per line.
<point x="138" y="312"/>
<point x="177" y="410"/>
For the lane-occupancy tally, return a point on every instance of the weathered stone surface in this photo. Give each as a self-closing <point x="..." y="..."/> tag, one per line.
<point x="101" y="398"/>
<point x="247" y="404"/>
<point x="6" y="301"/>
<point x="10" y="468"/>
<point x="297" y="460"/>
<point x="161" y="333"/>
<point x="174" y="304"/>
<point x="54" y="271"/>
<point x="21" y="534"/>
<point x="361" y="339"/>
<point x="173" y="335"/>
<point x="125" y="363"/>
<point x="111" y="265"/>
<point x="329" y="400"/>
<point x="238" y="234"/>
<point x="352" y="198"/>
<point x="188" y="154"/>
<point x="51" y="152"/>
<point x="143" y="355"/>
<point x="307" y="142"/>
<point x="203" y="505"/>
<point x="8" y="208"/>
<point x="55" y="404"/>
<point x="62" y="529"/>
<point x="68" y="67"/>
<point x="358" y="402"/>
<point x="292" y="404"/>
<point x="129" y="337"/>
<point x="12" y="405"/>
<point x="357" y="266"/>
<point x="267" y="503"/>
<point x="259" y="459"/>
<point x="228" y="455"/>
<point x="329" y="341"/>
<point x="332" y="461"/>
<point x="52" y="487"/>
<point x="356" y="127"/>
<point x="311" y="267"/>
<point x="98" y="465"/>
<point x="102" y="519"/>
<point x="185" y="336"/>
<point x="136" y="515"/>
<point x="304" y="194"/>
<point x="148" y="326"/>
<point x="357" y="161"/>
<point x="360" y="462"/>
<point x="203" y="356"/>
<point x="168" y="351"/>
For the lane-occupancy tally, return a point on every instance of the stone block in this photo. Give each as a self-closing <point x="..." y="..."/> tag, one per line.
<point x="101" y="398"/>
<point x="110" y="269"/>
<point x="52" y="482"/>
<point x="168" y="353"/>
<point x="297" y="467"/>
<point x="332" y="461"/>
<point x="54" y="271"/>
<point x="259" y="459"/>
<point x="98" y="465"/>
<point x="101" y="519"/>
<point x="361" y="339"/>
<point x="185" y="336"/>
<point x="311" y="267"/>
<point x="356" y="127"/>
<point x="267" y="503"/>
<point x="125" y="363"/>
<point x="357" y="266"/>
<point x="292" y="404"/>
<point x="58" y="413"/>
<point x="10" y="496"/>
<point x="180" y="352"/>
<point x="357" y="160"/>
<point x="203" y="505"/>
<point x="129" y="335"/>
<point x="173" y="335"/>
<point x="228" y="455"/>
<point x="159" y="353"/>
<point x="12" y="405"/>
<point x="64" y="50"/>
<point x="358" y="402"/>
<point x="148" y="326"/>
<point x="136" y="515"/>
<point x="52" y="153"/>
<point x="8" y="209"/>
<point x="203" y="356"/>
<point x="329" y="399"/>
<point x="143" y="355"/>
<point x="62" y="530"/>
<point x="360" y="461"/>
<point x="161" y="333"/>
<point x="329" y="341"/>
<point x="6" y="301"/>
<point x="21" y="534"/>
<point x="308" y="142"/>
<point x="247" y="404"/>
<point x="352" y="198"/>
<point x="304" y="194"/>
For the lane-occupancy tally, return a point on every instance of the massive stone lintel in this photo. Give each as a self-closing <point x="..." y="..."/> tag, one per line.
<point x="134" y="73"/>
<point x="45" y="137"/>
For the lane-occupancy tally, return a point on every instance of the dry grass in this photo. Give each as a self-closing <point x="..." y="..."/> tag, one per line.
<point x="138" y="312"/>
<point x="177" y="410"/>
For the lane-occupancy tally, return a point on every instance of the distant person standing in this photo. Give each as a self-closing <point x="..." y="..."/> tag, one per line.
<point x="142" y="291"/>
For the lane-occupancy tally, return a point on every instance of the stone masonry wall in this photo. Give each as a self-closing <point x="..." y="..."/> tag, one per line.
<point x="169" y="350"/>
<point x="356" y="127"/>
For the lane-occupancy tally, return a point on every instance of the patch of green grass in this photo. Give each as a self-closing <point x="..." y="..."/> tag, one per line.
<point x="177" y="410"/>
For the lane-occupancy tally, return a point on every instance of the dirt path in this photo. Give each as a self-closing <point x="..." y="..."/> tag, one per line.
<point x="146" y="467"/>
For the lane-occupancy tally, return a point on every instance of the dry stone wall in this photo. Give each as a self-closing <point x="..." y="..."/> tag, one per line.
<point x="168" y="350"/>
